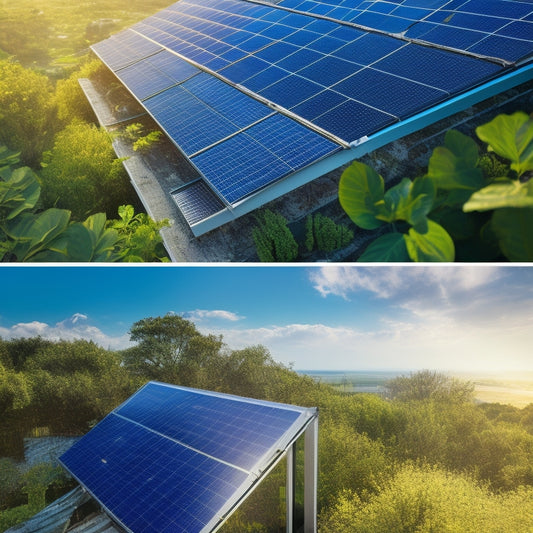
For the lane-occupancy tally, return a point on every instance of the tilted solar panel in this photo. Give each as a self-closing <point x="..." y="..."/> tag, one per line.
<point x="208" y="70"/>
<point x="180" y="460"/>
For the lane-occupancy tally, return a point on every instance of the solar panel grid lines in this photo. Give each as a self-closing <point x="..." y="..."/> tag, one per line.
<point x="322" y="68"/>
<point x="149" y="481"/>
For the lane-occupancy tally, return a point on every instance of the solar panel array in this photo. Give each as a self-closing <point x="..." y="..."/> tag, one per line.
<point x="253" y="92"/>
<point x="178" y="459"/>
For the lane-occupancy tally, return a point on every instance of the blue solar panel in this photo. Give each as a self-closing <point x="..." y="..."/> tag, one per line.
<point x="291" y="90"/>
<point x="343" y="78"/>
<point x="392" y="94"/>
<point x="261" y="155"/>
<point x="265" y="78"/>
<point x="369" y="48"/>
<point x="318" y="104"/>
<point x="329" y="70"/>
<point x="353" y="120"/>
<point x="437" y="68"/>
<point x="144" y="79"/>
<point x="188" y="120"/>
<point x="231" y="103"/>
<point x="169" y="459"/>
<point x="197" y="202"/>
<point x="239" y="167"/>
<point x="240" y="70"/>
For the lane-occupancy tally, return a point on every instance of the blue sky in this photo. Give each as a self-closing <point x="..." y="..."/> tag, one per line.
<point x="453" y="317"/>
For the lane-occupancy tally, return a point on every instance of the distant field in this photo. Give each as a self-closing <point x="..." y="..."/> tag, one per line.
<point x="512" y="390"/>
<point x="48" y="33"/>
<point x="518" y="394"/>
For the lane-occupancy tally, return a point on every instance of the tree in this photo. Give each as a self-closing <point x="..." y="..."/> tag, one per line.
<point x="430" y="385"/>
<point x="26" y="111"/>
<point x="170" y="348"/>
<point x="70" y="100"/>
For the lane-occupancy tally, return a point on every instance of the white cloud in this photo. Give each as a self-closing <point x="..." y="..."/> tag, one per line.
<point x="203" y="314"/>
<point x="435" y="342"/>
<point x="346" y="280"/>
<point x="402" y="281"/>
<point x="75" y="327"/>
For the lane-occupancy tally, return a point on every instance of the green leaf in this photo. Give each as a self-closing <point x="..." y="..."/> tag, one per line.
<point x="410" y="201"/>
<point x="8" y="157"/>
<point x="453" y="166"/>
<point x="34" y="233"/>
<point x="103" y="240"/>
<point x="361" y="188"/>
<point x="511" y="137"/>
<point x="387" y="248"/>
<point x="75" y="244"/>
<point x="20" y="191"/>
<point x="514" y="231"/>
<point x="501" y="195"/>
<point x="422" y="199"/>
<point x="434" y="245"/>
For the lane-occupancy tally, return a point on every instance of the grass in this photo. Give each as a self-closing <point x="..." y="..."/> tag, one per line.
<point x="49" y="34"/>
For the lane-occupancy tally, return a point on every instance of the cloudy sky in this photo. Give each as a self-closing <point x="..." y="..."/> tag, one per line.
<point x="453" y="317"/>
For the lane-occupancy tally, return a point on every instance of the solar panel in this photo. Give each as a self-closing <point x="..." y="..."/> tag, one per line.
<point x="207" y="70"/>
<point x="197" y="202"/>
<point x="178" y="459"/>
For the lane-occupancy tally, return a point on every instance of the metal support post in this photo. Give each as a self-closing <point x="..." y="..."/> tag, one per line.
<point x="311" y="477"/>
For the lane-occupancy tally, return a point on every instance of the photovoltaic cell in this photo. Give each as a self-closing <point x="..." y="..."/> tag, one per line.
<point x="197" y="202"/>
<point x="189" y="120"/>
<point x="261" y="155"/>
<point x="189" y="62"/>
<point x="171" y="459"/>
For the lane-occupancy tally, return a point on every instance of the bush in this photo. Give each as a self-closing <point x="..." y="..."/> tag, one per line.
<point x="82" y="173"/>
<point x="430" y="500"/>
<point x="324" y="234"/>
<point x="26" y="111"/>
<point x="273" y="239"/>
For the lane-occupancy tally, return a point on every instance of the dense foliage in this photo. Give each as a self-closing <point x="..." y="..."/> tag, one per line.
<point x="467" y="207"/>
<point x="426" y="458"/>
<point x="31" y="234"/>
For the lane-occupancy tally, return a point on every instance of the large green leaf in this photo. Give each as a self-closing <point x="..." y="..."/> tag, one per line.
<point x="514" y="231"/>
<point x="410" y="201"/>
<point x="511" y="137"/>
<point x="34" y="233"/>
<point x="453" y="166"/>
<point x="8" y="158"/>
<point x="75" y="244"/>
<point x="103" y="240"/>
<point x="19" y="192"/>
<point x="500" y="195"/>
<point x="387" y="248"/>
<point x="361" y="189"/>
<point x="432" y="246"/>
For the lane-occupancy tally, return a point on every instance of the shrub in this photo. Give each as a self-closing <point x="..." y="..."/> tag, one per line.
<point x="324" y="234"/>
<point x="82" y="173"/>
<point x="273" y="239"/>
<point x="430" y="500"/>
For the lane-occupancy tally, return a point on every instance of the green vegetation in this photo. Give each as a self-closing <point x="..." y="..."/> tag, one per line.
<point x="29" y="234"/>
<point x="275" y="242"/>
<point x="466" y="207"/>
<point x="273" y="238"/>
<point x="425" y="458"/>
<point x="45" y="118"/>
<point x="324" y="234"/>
